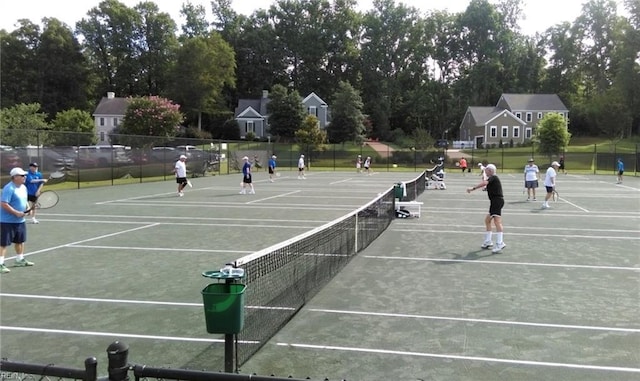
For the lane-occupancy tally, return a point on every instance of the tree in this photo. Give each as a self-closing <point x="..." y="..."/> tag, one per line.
<point x="204" y="66"/>
<point x="18" y="62"/>
<point x="310" y="133"/>
<point x="347" y="120"/>
<point x="23" y="125"/>
<point x="285" y="112"/>
<point x="73" y="127"/>
<point x="551" y="135"/>
<point x="150" y="116"/>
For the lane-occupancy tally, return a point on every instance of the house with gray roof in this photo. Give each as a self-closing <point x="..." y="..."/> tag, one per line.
<point x="108" y="115"/>
<point x="252" y="117"/>
<point x="512" y="120"/>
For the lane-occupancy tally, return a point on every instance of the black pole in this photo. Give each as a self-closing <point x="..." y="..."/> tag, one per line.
<point x="118" y="366"/>
<point x="228" y="344"/>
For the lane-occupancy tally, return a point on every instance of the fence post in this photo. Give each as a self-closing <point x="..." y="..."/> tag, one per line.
<point x="595" y="159"/>
<point x="91" y="369"/>
<point x="118" y="366"/>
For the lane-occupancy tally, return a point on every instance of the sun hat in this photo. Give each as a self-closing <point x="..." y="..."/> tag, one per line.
<point x="17" y="171"/>
<point x="183" y="157"/>
<point x="555" y="164"/>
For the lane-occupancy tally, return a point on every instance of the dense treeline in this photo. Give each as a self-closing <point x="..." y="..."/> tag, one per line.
<point x="411" y="70"/>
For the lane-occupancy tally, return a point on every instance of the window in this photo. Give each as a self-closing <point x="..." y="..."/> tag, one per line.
<point x="494" y="131"/>
<point x="102" y="121"/>
<point x="313" y="111"/>
<point x="529" y="117"/>
<point x="519" y="115"/>
<point x="539" y="115"/>
<point x="249" y="127"/>
<point x="505" y="131"/>
<point x="516" y="131"/>
<point x="527" y="133"/>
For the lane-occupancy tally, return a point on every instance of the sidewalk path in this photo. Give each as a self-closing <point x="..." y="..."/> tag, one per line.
<point x="382" y="149"/>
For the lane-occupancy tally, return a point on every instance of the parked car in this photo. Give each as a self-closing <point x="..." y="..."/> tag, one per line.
<point x="47" y="158"/>
<point x="106" y="154"/>
<point x="164" y="154"/>
<point x="9" y="158"/>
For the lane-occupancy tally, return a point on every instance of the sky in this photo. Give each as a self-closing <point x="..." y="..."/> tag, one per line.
<point x="540" y="14"/>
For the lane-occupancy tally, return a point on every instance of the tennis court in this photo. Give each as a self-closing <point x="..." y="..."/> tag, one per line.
<point x="422" y="302"/>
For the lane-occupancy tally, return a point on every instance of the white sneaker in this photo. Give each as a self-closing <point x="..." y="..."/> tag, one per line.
<point x="304" y="178"/>
<point x="499" y="247"/>
<point x="252" y="192"/>
<point x="34" y="221"/>
<point x="487" y="244"/>
<point x="545" y="206"/>
<point x="180" y="194"/>
<point x="243" y="192"/>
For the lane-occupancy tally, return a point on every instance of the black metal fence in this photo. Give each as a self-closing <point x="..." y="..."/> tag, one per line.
<point x="119" y="369"/>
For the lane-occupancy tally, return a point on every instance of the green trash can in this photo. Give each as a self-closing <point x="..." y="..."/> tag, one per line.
<point x="398" y="192"/>
<point x="224" y="307"/>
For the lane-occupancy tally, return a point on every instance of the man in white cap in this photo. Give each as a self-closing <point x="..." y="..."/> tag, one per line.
<point x="550" y="182"/>
<point x="180" y="169"/>
<point x="272" y="167"/>
<point x="359" y="164"/>
<point x="12" y="218"/>
<point x="301" y="168"/>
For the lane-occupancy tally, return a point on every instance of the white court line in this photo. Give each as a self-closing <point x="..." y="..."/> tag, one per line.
<point x="546" y="235"/>
<point x="88" y="240"/>
<point x="190" y="218"/>
<point x="480" y="261"/>
<point x="341" y="181"/>
<point x="158" y="249"/>
<point x="572" y="204"/>
<point x="272" y="197"/>
<point x="117" y="334"/>
<point x="459" y="357"/>
<point x="468" y="320"/>
<point x="511" y="227"/>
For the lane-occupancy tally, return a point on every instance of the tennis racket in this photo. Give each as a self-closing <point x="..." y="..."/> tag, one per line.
<point x="47" y="199"/>
<point x="554" y="195"/>
<point x="189" y="184"/>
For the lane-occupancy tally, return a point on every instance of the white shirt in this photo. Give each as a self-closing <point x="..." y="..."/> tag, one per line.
<point x="301" y="162"/>
<point x="531" y="172"/>
<point x="550" y="178"/>
<point x="181" y="169"/>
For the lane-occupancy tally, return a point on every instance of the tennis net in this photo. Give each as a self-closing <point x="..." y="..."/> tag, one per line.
<point x="281" y="279"/>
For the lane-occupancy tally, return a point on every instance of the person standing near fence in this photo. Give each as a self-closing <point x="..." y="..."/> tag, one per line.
<point x="496" y="202"/>
<point x="180" y="169"/>
<point x="367" y="165"/>
<point x="272" y="167"/>
<point x="550" y="182"/>
<point x="34" y="183"/>
<point x="301" y="168"/>
<point x="246" y="177"/>
<point x="463" y="165"/>
<point x="561" y="165"/>
<point x="359" y="164"/>
<point x="620" y="170"/>
<point x="531" y="172"/>
<point x="12" y="218"/>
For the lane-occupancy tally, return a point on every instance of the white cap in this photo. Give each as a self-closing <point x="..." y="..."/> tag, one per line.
<point x="245" y="158"/>
<point x="182" y="157"/>
<point x="301" y="155"/>
<point x="273" y="156"/>
<point x="479" y="164"/>
<point x="17" y="172"/>
<point x="555" y="164"/>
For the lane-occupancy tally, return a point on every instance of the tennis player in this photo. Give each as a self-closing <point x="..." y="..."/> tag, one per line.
<point x="301" y="168"/>
<point x="12" y="218"/>
<point x="180" y="169"/>
<point x="272" y="167"/>
<point x="531" y="172"/>
<point x="34" y="183"/>
<point x="550" y="182"/>
<point x="246" y="177"/>
<point x="496" y="202"/>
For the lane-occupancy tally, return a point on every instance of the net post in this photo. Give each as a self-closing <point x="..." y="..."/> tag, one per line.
<point x="229" y="346"/>
<point x="355" y="248"/>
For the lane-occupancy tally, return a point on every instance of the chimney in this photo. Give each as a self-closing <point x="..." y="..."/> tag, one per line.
<point x="265" y="93"/>
<point x="111" y="95"/>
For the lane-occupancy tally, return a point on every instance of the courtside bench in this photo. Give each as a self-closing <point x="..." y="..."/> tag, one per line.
<point x="413" y="207"/>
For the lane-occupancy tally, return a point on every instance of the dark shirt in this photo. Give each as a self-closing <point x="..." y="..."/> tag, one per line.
<point x="494" y="187"/>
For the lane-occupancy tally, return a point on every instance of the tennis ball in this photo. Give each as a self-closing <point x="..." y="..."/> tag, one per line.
<point x="395" y="166"/>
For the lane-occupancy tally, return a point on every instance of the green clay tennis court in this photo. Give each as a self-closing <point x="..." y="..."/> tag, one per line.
<point x="422" y="302"/>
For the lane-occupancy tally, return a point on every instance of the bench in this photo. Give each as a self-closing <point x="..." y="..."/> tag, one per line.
<point x="413" y="207"/>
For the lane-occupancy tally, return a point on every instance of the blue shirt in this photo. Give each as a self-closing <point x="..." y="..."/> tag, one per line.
<point x="620" y="165"/>
<point x="32" y="187"/>
<point x="272" y="163"/>
<point x="246" y="168"/>
<point x="16" y="196"/>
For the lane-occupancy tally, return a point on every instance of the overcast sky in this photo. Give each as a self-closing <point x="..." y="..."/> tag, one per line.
<point x="540" y="14"/>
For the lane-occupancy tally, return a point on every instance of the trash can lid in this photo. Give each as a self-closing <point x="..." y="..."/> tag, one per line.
<point x="217" y="274"/>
